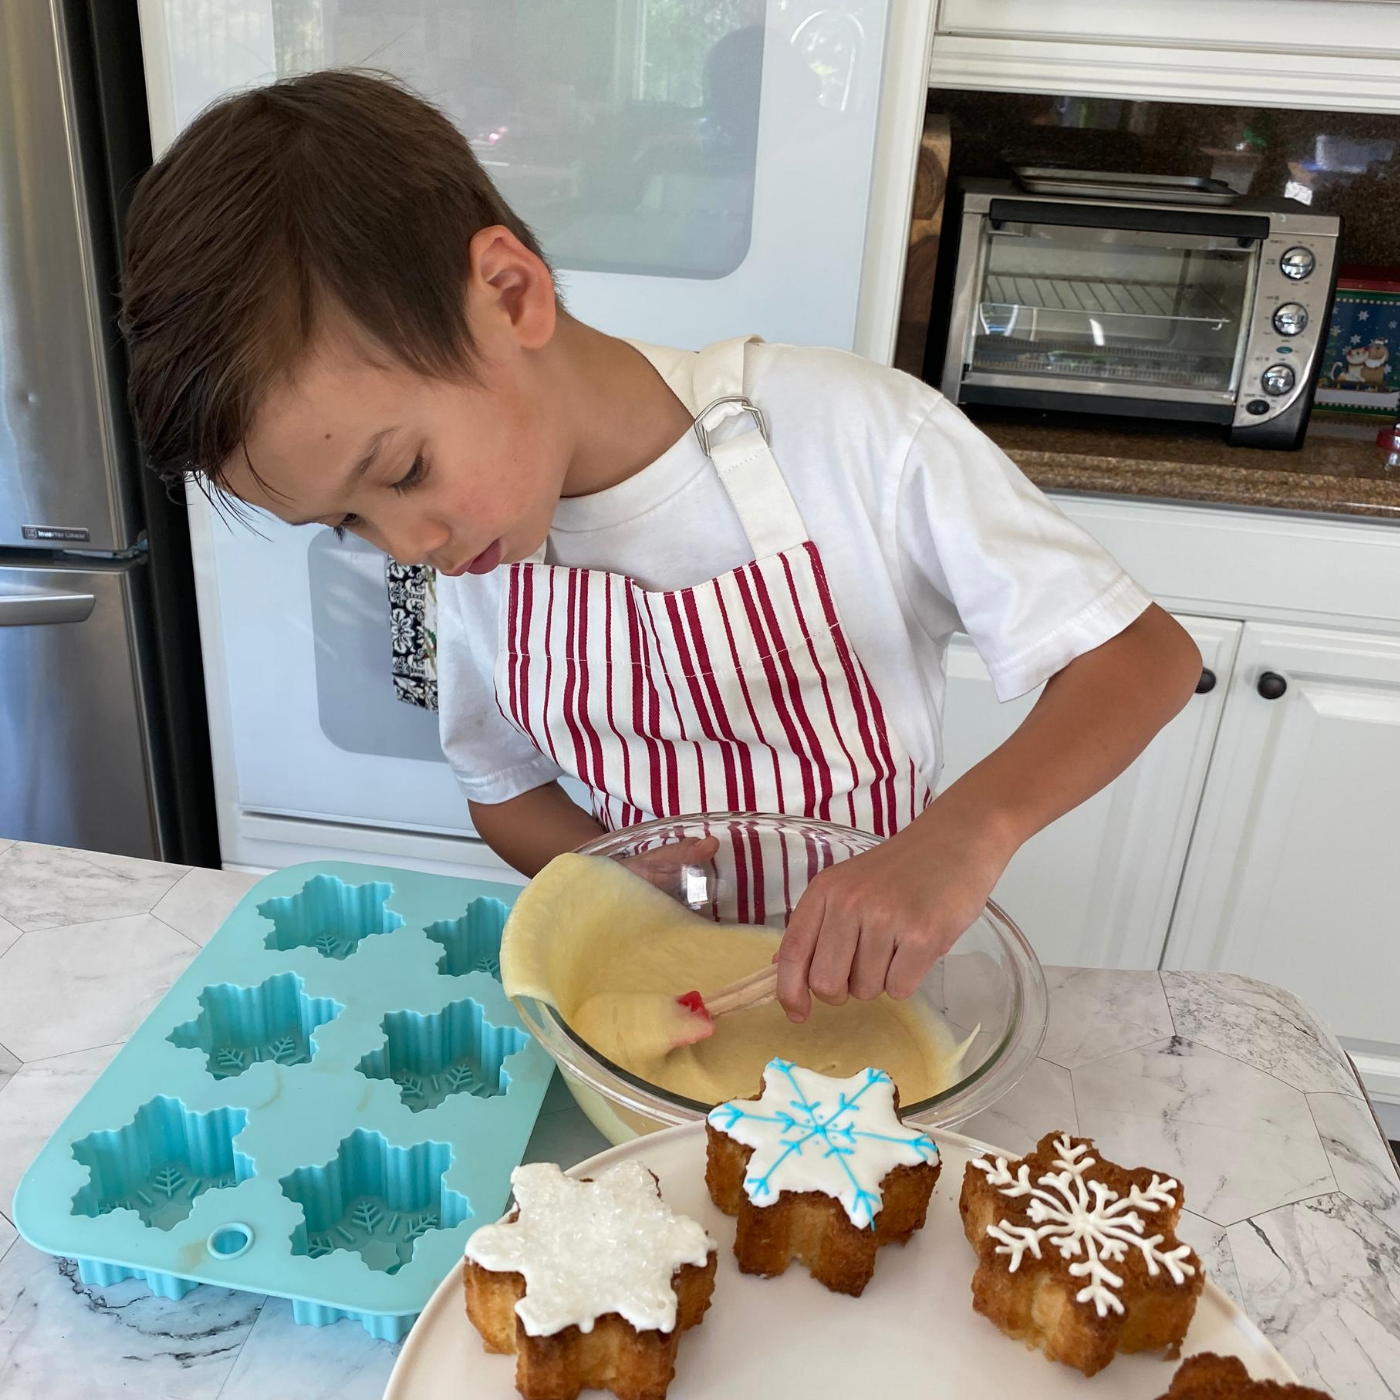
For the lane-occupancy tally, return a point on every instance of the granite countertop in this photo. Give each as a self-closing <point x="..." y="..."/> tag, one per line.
<point x="1337" y="471"/>
<point x="1226" y="1083"/>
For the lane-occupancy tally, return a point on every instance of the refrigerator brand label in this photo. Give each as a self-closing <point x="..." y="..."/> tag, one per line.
<point x="71" y="535"/>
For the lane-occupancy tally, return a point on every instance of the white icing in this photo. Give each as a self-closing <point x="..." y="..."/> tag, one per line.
<point x="587" y="1248"/>
<point x="810" y="1132"/>
<point x="1078" y="1215"/>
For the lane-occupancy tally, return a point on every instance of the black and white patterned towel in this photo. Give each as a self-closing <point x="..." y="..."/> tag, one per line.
<point x="413" y="632"/>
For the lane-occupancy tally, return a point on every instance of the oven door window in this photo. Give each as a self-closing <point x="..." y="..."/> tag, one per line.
<point x="1112" y="311"/>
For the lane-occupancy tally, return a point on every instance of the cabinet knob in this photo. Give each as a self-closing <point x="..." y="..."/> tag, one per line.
<point x="1272" y="685"/>
<point x="1206" y="684"/>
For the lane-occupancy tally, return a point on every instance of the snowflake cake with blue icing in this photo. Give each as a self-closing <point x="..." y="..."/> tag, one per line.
<point x="820" y="1170"/>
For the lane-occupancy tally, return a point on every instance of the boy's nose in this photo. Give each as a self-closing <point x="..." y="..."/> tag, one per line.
<point x="416" y="545"/>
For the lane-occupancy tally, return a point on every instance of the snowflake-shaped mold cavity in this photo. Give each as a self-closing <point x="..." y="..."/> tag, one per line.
<point x="329" y="916"/>
<point x="810" y="1132"/>
<point x="161" y="1161"/>
<point x="453" y="1051"/>
<point x="1085" y="1220"/>
<point x="375" y="1198"/>
<point x="239" y="1027"/>
<point x="473" y="942"/>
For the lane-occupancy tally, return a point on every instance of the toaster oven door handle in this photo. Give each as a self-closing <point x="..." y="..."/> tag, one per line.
<point x="1134" y="218"/>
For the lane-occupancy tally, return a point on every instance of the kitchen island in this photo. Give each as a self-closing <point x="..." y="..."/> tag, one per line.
<point x="1293" y="1197"/>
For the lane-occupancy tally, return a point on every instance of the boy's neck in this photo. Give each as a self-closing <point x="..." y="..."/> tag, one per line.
<point x="626" y="412"/>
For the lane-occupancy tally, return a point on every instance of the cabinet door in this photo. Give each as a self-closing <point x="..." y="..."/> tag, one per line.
<point x="1342" y="54"/>
<point x="1096" y="888"/>
<point x="1293" y="876"/>
<point x="1364" y="25"/>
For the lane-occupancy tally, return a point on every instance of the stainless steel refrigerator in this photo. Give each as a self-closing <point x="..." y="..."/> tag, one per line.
<point x="103" y="737"/>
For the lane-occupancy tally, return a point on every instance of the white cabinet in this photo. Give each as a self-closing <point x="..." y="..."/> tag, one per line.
<point x="1256" y="836"/>
<point x="1294" y="870"/>
<point x="1341" y="54"/>
<point x="1096" y="888"/>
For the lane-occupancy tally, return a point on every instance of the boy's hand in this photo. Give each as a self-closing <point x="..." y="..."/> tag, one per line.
<point x="879" y="921"/>
<point x="662" y="865"/>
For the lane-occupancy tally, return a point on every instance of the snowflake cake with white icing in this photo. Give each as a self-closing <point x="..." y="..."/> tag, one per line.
<point x="1070" y="1211"/>
<point x="811" y="1132"/>
<point x="1102" y="1235"/>
<point x="589" y="1248"/>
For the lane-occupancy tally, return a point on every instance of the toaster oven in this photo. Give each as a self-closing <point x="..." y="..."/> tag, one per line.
<point x="1153" y="299"/>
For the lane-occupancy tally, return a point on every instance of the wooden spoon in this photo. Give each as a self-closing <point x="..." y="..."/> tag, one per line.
<point x="692" y="1016"/>
<point x="652" y="1024"/>
<point x="757" y="989"/>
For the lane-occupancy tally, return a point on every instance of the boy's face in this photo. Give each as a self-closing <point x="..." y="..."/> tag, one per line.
<point x="459" y="475"/>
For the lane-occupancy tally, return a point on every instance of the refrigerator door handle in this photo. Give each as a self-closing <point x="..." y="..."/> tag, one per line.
<point x="42" y="609"/>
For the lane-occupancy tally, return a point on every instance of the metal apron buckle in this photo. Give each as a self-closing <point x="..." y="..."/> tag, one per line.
<point x="745" y="405"/>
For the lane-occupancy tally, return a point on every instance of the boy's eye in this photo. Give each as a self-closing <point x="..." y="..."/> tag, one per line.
<point x="347" y="522"/>
<point x="413" y="476"/>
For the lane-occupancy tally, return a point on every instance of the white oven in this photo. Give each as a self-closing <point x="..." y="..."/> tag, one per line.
<point x="694" y="171"/>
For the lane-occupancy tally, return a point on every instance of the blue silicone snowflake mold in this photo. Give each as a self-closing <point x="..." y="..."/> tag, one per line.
<point x="454" y="1051"/>
<point x="161" y="1161"/>
<point x="239" y="1027"/>
<point x="329" y="969"/>
<point x="473" y="942"/>
<point x="376" y="1199"/>
<point x="329" y="916"/>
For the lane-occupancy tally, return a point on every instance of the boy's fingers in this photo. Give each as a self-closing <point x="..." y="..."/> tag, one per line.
<point x="871" y="964"/>
<point x="829" y="976"/>
<point x="795" y="956"/>
<point x="674" y="854"/>
<point x="662" y="864"/>
<point x="909" y="966"/>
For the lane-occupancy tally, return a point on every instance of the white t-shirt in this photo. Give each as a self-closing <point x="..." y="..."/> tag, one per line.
<point x="924" y="525"/>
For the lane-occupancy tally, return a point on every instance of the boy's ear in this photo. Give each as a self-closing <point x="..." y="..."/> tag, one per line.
<point x="509" y="288"/>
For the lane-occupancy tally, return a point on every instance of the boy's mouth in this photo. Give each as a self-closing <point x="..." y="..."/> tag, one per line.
<point x="482" y="564"/>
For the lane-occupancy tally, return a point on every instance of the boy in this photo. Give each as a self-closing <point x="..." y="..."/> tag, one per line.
<point x="334" y="317"/>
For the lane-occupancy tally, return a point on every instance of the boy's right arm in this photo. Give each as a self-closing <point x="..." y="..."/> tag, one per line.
<point x="530" y="830"/>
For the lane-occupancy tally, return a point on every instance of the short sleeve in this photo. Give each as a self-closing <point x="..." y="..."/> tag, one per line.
<point x="1030" y="588"/>
<point x="492" y="760"/>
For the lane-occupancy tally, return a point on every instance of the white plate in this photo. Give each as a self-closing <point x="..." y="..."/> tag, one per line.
<point x="913" y="1327"/>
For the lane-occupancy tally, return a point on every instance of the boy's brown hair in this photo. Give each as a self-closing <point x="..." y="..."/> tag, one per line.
<point x="336" y="191"/>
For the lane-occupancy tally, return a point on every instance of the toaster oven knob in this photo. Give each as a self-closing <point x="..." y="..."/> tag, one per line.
<point x="1291" y="319"/>
<point x="1297" y="263"/>
<point x="1278" y="379"/>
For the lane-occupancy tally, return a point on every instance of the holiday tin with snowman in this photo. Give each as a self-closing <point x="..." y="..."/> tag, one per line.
<point x="1360" y="375"/>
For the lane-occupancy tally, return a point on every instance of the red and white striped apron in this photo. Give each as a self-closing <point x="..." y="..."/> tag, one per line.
<point x="741" y="694"/>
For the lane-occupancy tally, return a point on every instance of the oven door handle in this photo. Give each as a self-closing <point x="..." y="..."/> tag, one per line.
<point x="44" y="609"/>
<point x="1131" y="218"/>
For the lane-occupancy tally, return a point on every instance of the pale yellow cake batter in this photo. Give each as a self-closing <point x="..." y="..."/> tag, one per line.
<point x="587" y="937"/>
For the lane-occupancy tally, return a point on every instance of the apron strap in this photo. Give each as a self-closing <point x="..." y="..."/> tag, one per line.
<point x="745" y="462"/>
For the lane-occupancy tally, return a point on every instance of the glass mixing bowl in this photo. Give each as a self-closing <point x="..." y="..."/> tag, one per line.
<point x="990" y="979"/>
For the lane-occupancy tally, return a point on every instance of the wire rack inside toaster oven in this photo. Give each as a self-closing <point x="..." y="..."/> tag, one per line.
<point x="1102" y="297"/>
<point x="1072" y="359"/>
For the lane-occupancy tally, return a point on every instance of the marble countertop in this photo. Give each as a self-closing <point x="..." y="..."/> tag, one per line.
<point x="1293" y="1197"/>
<point x="1337" y="471"/>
